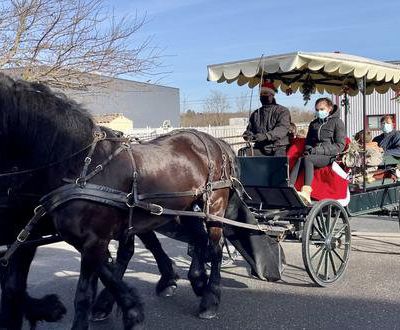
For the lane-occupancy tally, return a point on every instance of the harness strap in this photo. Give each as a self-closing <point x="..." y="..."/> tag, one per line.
<point x="189" y="193"/>
<point x="114" y="198"/>
<point x="215" y="185"/>
<point x="119" y="199"/>
<point x="98" y="136"/>
<point x="39" y="212"/>
<point x="133" y="193"/>
<point x="210" y="163"/>
<point x="100" y="167"/>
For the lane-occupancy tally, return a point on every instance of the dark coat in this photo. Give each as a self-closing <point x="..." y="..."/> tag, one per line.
<point x="326" y="136"/>
<point x="390" y="142"/>
<point x="273" y="121"/>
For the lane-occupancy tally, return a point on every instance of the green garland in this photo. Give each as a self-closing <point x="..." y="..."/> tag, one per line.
<point x="308" y="89"/>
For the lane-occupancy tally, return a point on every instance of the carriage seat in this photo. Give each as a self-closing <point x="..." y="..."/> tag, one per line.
<point x="385" y="168"/>
<point x="389" y="160"/>
<point x="330" y="182"/>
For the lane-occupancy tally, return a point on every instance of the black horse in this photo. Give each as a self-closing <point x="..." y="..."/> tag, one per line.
<point x="17" y="303"/>
<point x="45" y="132"/>
<point x="40" y="128"/>
<point x="20" y="192"/>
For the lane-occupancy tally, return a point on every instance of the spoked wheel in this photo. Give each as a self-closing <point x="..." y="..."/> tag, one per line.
<point x="326" y="242"/>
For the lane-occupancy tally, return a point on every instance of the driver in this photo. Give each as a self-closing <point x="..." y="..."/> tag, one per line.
<point x="269" y="125"/>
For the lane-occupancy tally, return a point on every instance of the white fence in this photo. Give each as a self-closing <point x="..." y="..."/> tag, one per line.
<point x="231" y="134"/>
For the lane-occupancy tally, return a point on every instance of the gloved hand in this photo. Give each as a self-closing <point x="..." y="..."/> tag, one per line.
<point x="309" y="150"/>
<point x="260" y="137"/>
<point x="248" y="136"/>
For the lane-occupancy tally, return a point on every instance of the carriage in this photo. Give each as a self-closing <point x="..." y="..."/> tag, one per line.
<point x="133" y="192"/>
<point x="324" y="227"/>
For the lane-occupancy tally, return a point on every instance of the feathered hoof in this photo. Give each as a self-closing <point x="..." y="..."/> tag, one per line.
<point x="208" y="314"/>
<point x="49" y="309"/>
<point x="100" y="316"/>
<point x="169" y="291"/>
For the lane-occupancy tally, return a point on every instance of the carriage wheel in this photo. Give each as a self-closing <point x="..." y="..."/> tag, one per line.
<point x="326" y="242"/>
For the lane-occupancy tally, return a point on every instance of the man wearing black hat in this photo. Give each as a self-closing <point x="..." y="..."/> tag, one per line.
<point x="269" y="125"/>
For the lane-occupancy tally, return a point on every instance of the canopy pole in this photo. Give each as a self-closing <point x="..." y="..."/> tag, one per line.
<point x="364" y="101"/>
<point x="259" y="87"/>
<point x="346" y="110"/>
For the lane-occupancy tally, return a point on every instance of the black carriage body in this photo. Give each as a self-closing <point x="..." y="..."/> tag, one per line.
<point x="379" y="198"/>
<point x="266" y="180"/>
<point x="323" y="227"/>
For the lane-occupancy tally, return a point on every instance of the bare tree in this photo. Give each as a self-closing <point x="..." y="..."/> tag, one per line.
<point x="242" y="102"/>
<point x="63" y="43"/>
<point x="216" y="104"/>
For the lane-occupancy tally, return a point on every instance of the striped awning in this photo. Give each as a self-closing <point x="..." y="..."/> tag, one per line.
<point x="333" y="73"/>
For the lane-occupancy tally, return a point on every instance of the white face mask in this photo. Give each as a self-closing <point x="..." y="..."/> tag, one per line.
<point x="387" y="127"/>
<point x="321" y="114"/>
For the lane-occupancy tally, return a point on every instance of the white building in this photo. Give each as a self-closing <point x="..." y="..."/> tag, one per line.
<point x="377" y="105"/>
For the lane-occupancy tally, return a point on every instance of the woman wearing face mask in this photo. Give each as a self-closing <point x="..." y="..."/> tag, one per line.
<point x="325" y="140"/>
<point x="389" y="140"/>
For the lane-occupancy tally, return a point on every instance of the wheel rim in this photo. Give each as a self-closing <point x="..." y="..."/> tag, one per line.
<point x="327" y="243"/>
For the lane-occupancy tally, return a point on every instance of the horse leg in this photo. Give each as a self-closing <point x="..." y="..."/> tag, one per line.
<point x="13" y="288"/>
<point x="49" y="309"/>
<point x="212" y="293"/>
<point x="167" y="285"/>
<point x="197" y="272"/>
<point x="104" y="303"/>
<point x="15" y="302"/>
<point x="126" y="297"/>
<point x="86" y="289"/>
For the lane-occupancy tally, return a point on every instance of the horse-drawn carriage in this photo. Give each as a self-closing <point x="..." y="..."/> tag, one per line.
<point x="93" y="185"/>
<point x="324" y="227"/>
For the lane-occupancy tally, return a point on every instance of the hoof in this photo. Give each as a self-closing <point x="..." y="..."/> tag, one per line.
<point x="99" y="316"/>
<point x="49" y="309"/>
<point x="138" y="327"/>
<point x="207" y="314"/>
<point x="169" y="291"/>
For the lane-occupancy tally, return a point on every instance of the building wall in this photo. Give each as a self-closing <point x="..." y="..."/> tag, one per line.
<point x="376" y="104"/>
<point x="144" y="104"/>
<point x="121" y="124"/>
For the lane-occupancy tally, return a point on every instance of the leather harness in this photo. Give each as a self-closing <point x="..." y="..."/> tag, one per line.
<point x="81" y="189"/>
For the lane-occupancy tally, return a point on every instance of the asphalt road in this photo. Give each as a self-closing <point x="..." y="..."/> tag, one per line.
<point x="367" y="298"/>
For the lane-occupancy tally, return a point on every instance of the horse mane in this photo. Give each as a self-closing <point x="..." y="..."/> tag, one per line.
<point x="38" y="124"/>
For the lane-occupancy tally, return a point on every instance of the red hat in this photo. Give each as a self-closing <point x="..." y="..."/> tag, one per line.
<point x="269" y="87"/>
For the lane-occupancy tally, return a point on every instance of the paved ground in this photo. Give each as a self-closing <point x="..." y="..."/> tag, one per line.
<point x="367" y="298"/>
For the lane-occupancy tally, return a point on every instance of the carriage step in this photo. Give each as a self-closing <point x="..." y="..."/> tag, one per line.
<point x="278" y="231"/>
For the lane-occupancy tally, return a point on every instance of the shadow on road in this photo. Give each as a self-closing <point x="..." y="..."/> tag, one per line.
<point x="294" y="303"/>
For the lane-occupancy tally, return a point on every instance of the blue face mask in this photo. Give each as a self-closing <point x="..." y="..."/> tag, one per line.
<point x="387" y="127"/>
<point x="321" y="114"/>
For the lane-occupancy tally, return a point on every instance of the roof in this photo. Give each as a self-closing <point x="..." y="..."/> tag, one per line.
<point x="324" y="72"/>
<point x="107" y="118"/>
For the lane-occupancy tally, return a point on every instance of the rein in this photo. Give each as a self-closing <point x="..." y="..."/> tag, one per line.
<point x="43" y="167"/>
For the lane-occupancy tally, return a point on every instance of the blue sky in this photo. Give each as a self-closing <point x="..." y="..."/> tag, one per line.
<point x="195" y="33"/>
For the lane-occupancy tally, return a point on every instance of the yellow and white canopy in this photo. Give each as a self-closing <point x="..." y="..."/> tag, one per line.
<point x="326" y="72"/>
